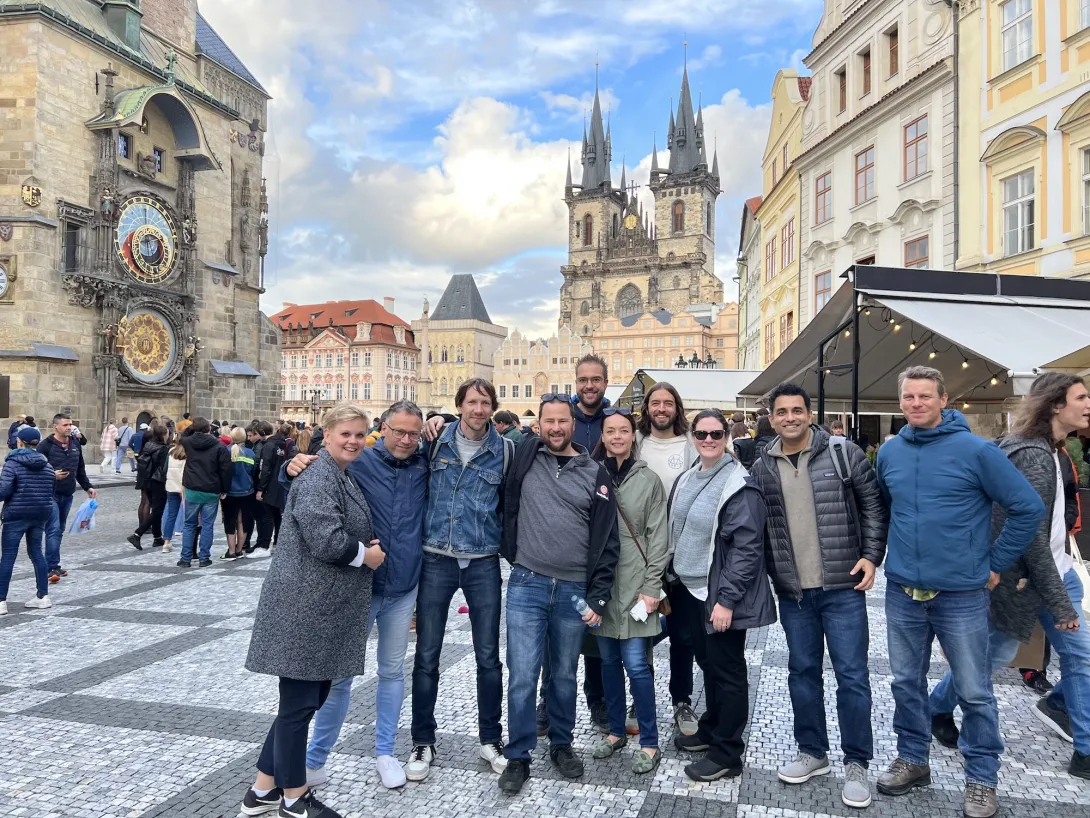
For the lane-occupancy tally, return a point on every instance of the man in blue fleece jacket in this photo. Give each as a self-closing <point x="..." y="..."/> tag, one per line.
<point x="940" y="481"/>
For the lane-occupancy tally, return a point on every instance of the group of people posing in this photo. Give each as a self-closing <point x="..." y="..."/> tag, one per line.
<point x="610" y="520"/>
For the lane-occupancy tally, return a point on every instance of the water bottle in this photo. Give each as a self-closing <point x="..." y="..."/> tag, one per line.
<point x="581" y="607"/>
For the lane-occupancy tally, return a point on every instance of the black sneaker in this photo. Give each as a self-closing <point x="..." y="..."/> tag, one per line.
<point x="600" y="715"/>
<point x="254" y="804"/>
<point x="247" y="549"/>
<point x="515" y="775"/>
<point x="134" y="541"/>
<point x="205" y="563"/>
<point x="158" y="542"/>
<point x="227" y="556"/>
<point x="1038" y="682"/>
<point x="542" y="720"/>
<point x="945" y="730"/>
<point x="1080" y="765"/>
<point x="184" y="563"/>
<point x="569" y="764"/>
<point x="1054" y="717"/>
<point x="707" y="770"/>
<point x="60" y="571"/>
<point x="690" y="744"/>
<point x="307" y="807"/>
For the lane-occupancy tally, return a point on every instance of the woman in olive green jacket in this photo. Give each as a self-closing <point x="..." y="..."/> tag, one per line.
<point x="624" y="639"/>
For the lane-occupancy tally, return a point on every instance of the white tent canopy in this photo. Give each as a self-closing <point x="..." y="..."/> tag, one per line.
<point x="988" y="334"/>
<point x="699" y="388"/>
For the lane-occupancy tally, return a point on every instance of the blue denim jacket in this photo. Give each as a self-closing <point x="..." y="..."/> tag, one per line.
<point x="463" y="517"/>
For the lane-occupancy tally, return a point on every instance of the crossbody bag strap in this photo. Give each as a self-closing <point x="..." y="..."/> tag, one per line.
<point x="632" y="531"/>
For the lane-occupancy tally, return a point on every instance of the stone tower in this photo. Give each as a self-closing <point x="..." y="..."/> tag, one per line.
<point x="623" y="261"/>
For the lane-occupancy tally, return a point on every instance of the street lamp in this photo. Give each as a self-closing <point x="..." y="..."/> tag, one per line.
<point x="694" y="362"/>
<point x="709" y="362"/>
<point x="315" y="404"/>
<point x="680" y="362"/>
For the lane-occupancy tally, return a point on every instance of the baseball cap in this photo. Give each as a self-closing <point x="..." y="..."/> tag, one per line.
<point x="29" y="435"/>
<point x="143" y="426"/>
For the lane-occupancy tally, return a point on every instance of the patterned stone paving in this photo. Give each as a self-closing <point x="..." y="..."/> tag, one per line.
<point x="129" y="698"/>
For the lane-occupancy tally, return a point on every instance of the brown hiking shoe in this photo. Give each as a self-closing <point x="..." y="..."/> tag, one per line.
<point x="902" y="777"/>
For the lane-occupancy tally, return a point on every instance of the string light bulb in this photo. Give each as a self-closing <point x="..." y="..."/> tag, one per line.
<point x="893" y="320"/>
<point x="896" y="327"/>
<point x="931" y="355"/>
<point x="995" y="382"/>
<point x="867" y="312"/>
<point x="964" y="406"/>
<point x="912" y="346"/>
<point x="847" y="333"/>
<point x="965" y="364"/>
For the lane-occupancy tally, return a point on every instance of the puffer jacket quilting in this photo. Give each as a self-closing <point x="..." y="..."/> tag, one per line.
<point x="26" y="486"/>
<point x="843" y="542"/>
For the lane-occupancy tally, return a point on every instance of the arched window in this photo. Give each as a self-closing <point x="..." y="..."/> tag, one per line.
<point x="429" y="356"/>
<point x="586" y="329"/>
<point x="679" y="216"/>
<point x="709" y="222"/>
<point x="629" y="301"/>
<point x="588" y="229"/>
<point x="461" y="359"/>
<point x="614" y="234"/>
<point x="443" y="359"/>
<point x="584" y="308"/>
<point x="443" y="386"/>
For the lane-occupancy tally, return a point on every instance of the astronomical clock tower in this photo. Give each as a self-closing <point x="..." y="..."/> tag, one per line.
<point x="133" y="238"/>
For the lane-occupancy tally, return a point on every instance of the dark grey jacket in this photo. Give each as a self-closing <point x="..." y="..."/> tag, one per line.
<point x="1015" y="610"/>
<point x="846" y="534"/>
<point x="312" y="618"/>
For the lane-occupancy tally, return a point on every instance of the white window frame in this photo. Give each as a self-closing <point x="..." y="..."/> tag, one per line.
<point x="528" y="391"/>
<point x="1086" y="180"/>
<point x="367" y="390"/>
<point x="1016" y="32"/>
<point x="355" y="391"/>
<point x="1084" y="14"/>
<point x="1019" y="201"/>
<point x="340" y="392"/>
<point x="355" y="357"/>
<point x="501" y="391"/>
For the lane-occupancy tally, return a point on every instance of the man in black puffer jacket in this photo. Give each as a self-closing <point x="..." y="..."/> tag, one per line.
<point x="824" y="538"/>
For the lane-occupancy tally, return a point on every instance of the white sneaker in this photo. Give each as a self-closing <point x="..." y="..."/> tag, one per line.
<point x="493" y="754"/>
<point x="391" y="772"/>
<point x="34" y="602"/>
<point x="317" y="778"/>
<point x="167" y="547"/>
<point x="259" y="553"/>
<point x="3" y="608"/>
<point x="420" y="762"/>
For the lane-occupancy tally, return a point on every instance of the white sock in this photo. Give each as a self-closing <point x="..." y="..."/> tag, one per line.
<point x="260" y="793"/>
<point x="290" y="802"/>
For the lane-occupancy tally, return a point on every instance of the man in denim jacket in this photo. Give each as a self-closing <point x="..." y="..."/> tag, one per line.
<point x="462" y="531"/>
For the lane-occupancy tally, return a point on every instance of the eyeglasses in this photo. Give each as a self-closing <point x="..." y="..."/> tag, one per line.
<point x="616" y="410"/>
<point x="716" y="434"/>
<point x="549" y="397"/>
<point x="402" y="434"/>
<point x="594" y="381"/>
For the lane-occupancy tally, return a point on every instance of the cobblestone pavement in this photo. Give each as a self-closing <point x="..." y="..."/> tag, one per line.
<point x="129" y="698"/>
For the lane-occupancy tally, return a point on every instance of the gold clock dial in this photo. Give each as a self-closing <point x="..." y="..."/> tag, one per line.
<point x="146" y="239"/>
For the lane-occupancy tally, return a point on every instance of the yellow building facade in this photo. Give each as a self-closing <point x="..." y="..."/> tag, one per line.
<point x="525" y="369"/>
<point x="779" y="217"/>
<point x="1024" y="153"/>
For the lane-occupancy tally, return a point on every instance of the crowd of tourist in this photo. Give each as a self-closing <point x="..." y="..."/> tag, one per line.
<point x="621" y="529"/>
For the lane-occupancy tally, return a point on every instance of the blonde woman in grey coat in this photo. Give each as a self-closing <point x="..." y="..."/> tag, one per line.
<point x="625" y="640"/>
<point x="311" y="622"/>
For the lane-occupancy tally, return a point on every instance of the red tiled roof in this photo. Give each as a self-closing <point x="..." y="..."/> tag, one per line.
<point x="343" y="313"/>
<point x="754" y="204"/>
<point x="804" y="87"/>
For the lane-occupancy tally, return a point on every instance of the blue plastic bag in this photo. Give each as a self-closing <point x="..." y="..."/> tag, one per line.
<point x="84" y="519"/>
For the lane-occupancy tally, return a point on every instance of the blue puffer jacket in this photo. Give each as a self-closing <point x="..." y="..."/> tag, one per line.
<point x="940" y="485"/>
<point x="26" y="486"/>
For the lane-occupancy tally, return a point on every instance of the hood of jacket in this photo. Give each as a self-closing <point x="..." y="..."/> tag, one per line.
<point x="952" y="422"/>
<point x="202" y="441"/>
<point x="28" y="458"/>
<point x="583" y="417"/>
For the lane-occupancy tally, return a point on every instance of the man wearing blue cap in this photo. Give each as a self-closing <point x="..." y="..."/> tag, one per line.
<point x="26" y="487"/>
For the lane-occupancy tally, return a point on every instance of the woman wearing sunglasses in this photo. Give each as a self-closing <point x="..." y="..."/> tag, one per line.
<point x="717" y="521"/>
<point x="637" y="581"/>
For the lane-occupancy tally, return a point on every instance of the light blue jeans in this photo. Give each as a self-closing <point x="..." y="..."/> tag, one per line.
<point x="393" y="615"/>
<point x="1072" y="693"/>
<point x="171" y="513"/>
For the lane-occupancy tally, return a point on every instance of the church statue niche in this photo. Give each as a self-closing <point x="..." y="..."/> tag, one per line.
<point x="629" y="301"/>
<point x="584" y="309"/>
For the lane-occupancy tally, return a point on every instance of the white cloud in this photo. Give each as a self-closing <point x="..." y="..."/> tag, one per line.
<point x="709" y="58"/>
<point x="575" y="108"/>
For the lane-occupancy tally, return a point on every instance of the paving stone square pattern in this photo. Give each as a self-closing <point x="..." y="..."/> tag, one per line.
<point x="130" y="698"/>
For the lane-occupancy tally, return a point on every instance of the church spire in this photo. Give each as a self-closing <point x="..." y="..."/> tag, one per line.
<point x="655" y="156"/>
<point x="715" y="164"/>
<point x="567" y="180"/>
<point x="685" y="150"/>
<point x="597" y="154"/>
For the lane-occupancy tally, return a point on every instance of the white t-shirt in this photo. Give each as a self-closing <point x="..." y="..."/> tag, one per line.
<point x="1058" y="538"/>
<point x="665" y="457"/>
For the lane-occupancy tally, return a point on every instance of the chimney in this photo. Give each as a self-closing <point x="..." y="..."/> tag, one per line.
<point x="388" y="304"/>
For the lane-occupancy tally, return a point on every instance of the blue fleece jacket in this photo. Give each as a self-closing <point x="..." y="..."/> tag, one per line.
<point x="588" y="428"/>
<point x="940" y="485"/>
<point x="26" y="486"/>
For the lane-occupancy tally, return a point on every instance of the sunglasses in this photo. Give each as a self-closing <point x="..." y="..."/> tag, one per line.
<point x="549" y="397"/>
<point x="616" y="411"/>
<point x="717" y="434"/>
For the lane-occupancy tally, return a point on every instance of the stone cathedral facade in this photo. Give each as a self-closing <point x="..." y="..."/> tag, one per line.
<point x="133" y="216"/>
<point x="624" y="261"/>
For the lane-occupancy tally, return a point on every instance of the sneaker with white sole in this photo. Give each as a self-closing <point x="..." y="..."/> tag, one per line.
<point x="39" y="602"/>
<point x="254" y="804"/>
<point x="856" y="791"/>
<point x="3" y="608"/>
<point x="803" y="768"/>
<point x="685" y="719"/>
<point x="492" y="752"/>
<point x="390" y="771"/>
<point x="1054" y="717"/>
<point x="167" y="547"/>
<point x="420" y="762"/>
<point x="317" y="778"/>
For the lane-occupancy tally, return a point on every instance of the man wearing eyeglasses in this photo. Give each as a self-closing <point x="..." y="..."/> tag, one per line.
<point x="393" y="475"/>
<point x="591" y="379"/>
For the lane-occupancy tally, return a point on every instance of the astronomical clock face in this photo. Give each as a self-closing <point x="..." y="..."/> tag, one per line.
<point x="150" y="346"/>
<point x="146" y="240"/>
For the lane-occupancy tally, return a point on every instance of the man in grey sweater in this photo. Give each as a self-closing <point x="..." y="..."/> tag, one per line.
<point x="560" y="536"/>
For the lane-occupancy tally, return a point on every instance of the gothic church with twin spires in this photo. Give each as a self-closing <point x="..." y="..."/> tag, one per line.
<point x="623" y="261"/>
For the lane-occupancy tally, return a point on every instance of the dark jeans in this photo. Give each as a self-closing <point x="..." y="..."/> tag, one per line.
<point x="54" y="532"/>
<point x="722" y="658"/>
<point x="440" y="577"/>
<point x="284" y="754"/>
<point x="536" y="606"/>
<point x="681" y="650"/>
<point x="839" y="619"/>
<point x="632" y="653"/>
<point x="156" y="494"/>
<point x="268" y="524"/>
<point x="10" y="537"/>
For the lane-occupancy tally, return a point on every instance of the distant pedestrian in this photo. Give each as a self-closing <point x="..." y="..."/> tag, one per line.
<point x="66" y="457"/>
<point x="278" y="448"/>
<point x="151" y="475"/>
<point x="207" y="478"/>
<point x="124" y="437"/>
<point x="238" y="505"/>
<point x="175" y="470"/>
<point x="507" y="424"/>
<point x="26" y="487"/>
<point x="13" y="441"/>
<point x="107" y="444"/>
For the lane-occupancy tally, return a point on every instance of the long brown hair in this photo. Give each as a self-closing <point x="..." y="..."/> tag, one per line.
<point x="681" y="423"/>
<point x="1034" y="415"/>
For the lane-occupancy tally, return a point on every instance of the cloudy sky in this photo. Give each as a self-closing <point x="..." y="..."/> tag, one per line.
<point x="411" y="140"/>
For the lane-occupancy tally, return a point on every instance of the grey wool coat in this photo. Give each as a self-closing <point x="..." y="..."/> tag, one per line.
<point x="312" y="618"/>
<point x="1033" y="582"/>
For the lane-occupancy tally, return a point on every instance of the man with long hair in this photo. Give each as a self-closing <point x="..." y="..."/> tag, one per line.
<point x="1042" y="585"/>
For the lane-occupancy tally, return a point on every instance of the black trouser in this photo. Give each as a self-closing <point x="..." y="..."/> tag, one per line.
<point x="268" y="524"/>
<point x="681" y="650"/>
<point x="154" y="494"/>
<point x="236" y="509"/>
<point x="722" y="658"/>
<point x="284" y="754"/>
